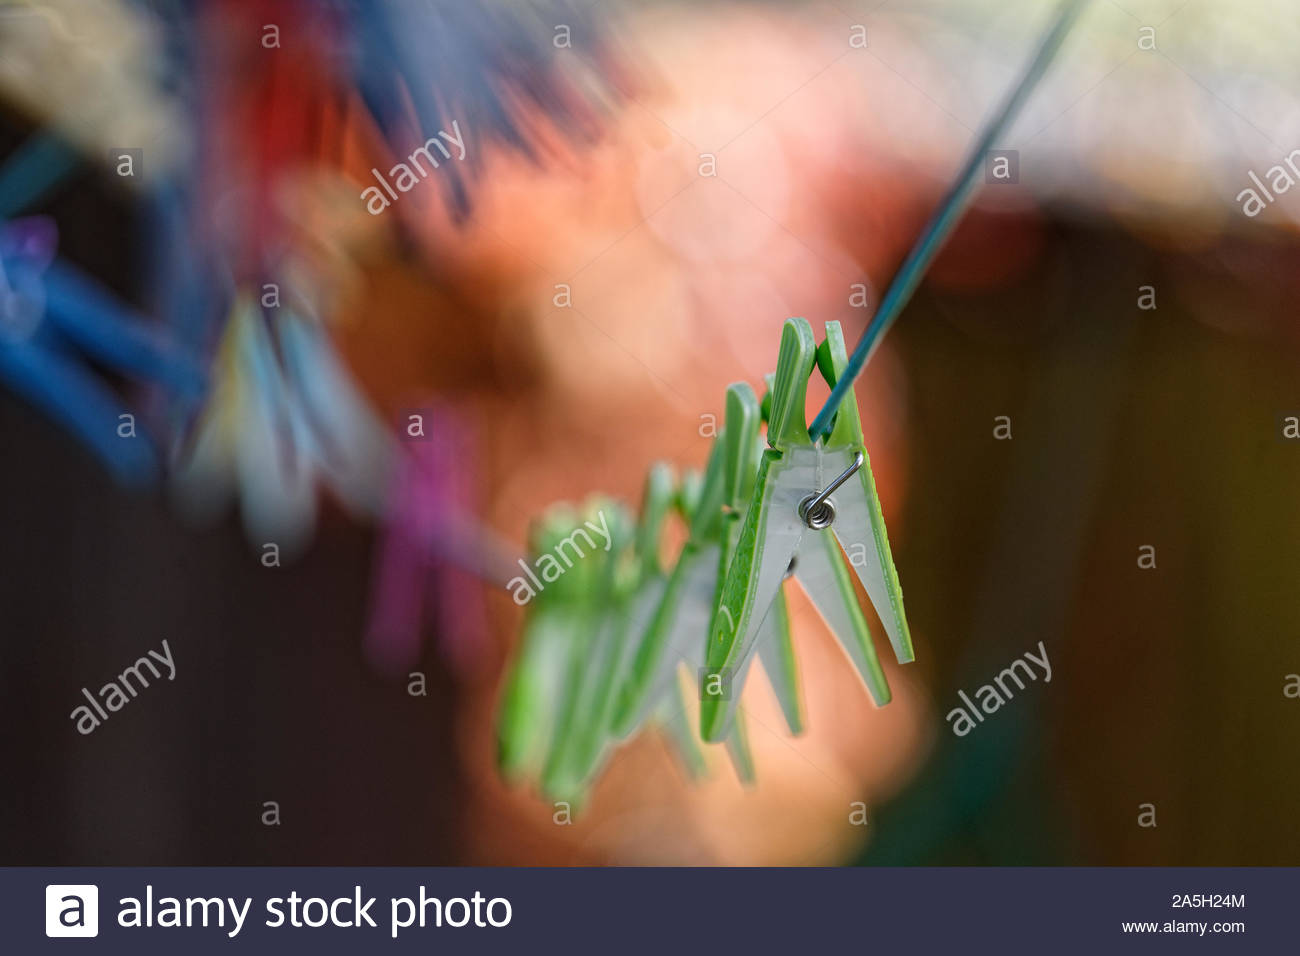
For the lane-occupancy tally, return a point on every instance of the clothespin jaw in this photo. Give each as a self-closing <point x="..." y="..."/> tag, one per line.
<point x="741" y="420"/>
<point x="786" y="424"/>
<point x="769" y="535"/>
<point x="823" y="573"/>
<point x="859" y="524"/>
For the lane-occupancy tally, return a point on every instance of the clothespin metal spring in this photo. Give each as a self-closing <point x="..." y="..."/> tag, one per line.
<point x="818" y="511"/>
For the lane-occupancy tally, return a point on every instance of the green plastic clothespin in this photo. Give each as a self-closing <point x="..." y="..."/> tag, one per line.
<point x="775" y="646"/>
<point x="859" y="521"/>
<point x="569" y="767"/>
<point x="667" y="637"/>
<point x="636" y="593"/>
<point x="801" y="491"/>
<point x="677" y="632"/>
<point x="692" y="608"/>
<point x="530" y="705"/>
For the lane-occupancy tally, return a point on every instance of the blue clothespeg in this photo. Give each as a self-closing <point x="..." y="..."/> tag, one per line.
<point x="284" y="419"/>
<point x="53" y="318"/>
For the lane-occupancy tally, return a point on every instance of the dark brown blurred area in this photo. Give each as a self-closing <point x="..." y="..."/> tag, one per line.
<point x="272" y="700"/>
<point x="1130" y="427"/>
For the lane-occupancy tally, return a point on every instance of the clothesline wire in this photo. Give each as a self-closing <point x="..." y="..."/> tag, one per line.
<point x="946" y="217"/>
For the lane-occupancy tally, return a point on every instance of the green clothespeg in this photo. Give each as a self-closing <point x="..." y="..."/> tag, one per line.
<point x="801" y="491"/>
<point x="554" y="715"/>
<point x="610" y="585"/>
<point x="802" y="488"/>
<point x="606" y="638"/>
<point x="559" y="616"/>
<point x="774" y="644"/>
<point x="677" y="632"/>
<point x="637" y="586"/>
<point x="859" y="522"/>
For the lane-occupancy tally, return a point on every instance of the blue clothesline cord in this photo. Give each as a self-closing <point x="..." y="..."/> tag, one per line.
<point x="945" y="219"/>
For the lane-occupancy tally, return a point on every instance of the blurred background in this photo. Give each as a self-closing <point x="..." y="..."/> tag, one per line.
<point x="648" y="191"/>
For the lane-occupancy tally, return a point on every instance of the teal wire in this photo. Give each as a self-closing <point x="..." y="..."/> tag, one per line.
<point x="32" y="170"/>
<point x="945" y="219"/>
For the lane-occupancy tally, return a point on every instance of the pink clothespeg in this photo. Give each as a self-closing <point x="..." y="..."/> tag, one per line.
<point x="424" y="571"/>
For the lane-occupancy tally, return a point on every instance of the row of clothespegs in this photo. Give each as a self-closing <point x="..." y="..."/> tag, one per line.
<point x="604" y="643"/>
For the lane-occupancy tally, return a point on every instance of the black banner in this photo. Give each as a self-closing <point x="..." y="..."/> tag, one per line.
<point x="363" y="910"/>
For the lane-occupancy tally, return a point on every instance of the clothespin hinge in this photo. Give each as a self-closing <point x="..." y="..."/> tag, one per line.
<point x="818" y="511"/>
